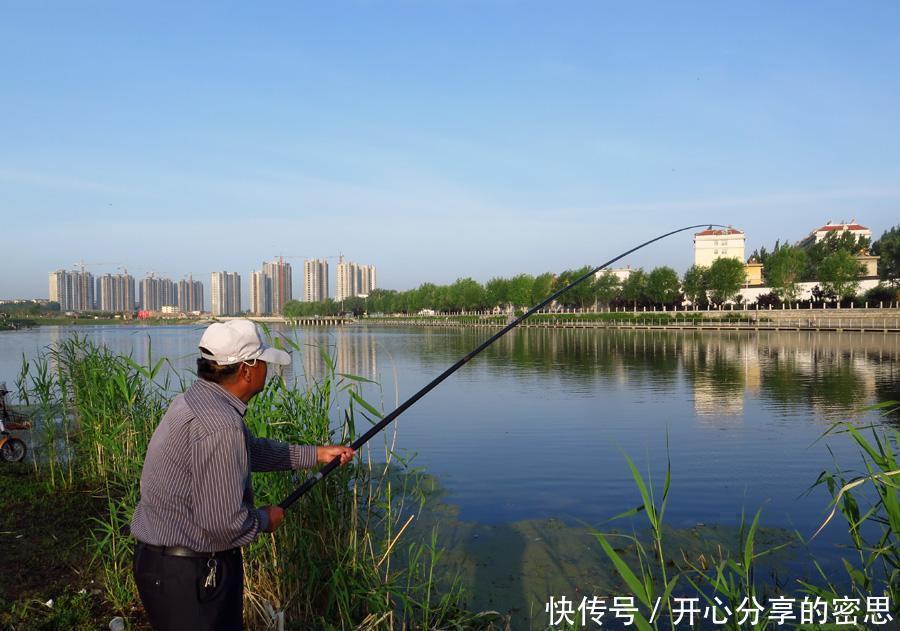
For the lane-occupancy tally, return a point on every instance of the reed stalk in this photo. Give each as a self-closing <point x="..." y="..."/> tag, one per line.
<point x="328" y="567"/>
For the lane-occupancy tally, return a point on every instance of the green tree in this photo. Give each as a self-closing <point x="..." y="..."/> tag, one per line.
<point x="607" y="287"/>
<point x="784" y="269"/>
<point x="662" y="285"/>
<point x="443" y="300"/>
<point x="497" y="292"/>
<point x="543" y="286"/>
<point x="761" y="255"/>
<point x="839" y="274"/>
<point x="425" y="296"/>
<point x="837" y="241"/>
<point x="634" y="288"/>
<point x="694" y="285"/>
<point x="725" y="278"/>
<point x="888" y="248"/>
<point x="466" y="294"/>
<point x="580" y="296"/>
<point x="383" y="301"/>
<point x="520" y="290"/>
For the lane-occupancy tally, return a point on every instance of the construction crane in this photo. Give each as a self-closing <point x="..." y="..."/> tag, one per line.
<point x="82" y="265"/>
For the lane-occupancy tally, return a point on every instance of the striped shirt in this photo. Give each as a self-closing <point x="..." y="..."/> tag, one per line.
<point x="195" y="486"/>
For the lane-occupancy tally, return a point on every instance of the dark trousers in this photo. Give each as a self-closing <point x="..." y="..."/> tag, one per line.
<point x="175" y="597"/>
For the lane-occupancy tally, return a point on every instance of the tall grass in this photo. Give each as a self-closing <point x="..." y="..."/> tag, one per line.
<point x="663" y="571"/>
<point x="337" y="562"/>
<point x="873" y="521"/>
<point x="873" y="568"/>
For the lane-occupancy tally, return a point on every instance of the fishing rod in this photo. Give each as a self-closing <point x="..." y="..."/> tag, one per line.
<point x="362" y="440"/>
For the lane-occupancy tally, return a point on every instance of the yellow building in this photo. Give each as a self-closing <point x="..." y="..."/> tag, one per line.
<point x="870" y="262"/>
<point x="753" y="274"/>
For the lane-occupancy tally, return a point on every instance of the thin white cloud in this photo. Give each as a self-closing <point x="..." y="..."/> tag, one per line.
<point x="746" y="201"/>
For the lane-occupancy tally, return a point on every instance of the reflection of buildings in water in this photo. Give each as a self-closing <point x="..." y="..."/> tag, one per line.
<point x="314" y="370"/>
<point x="355" y="354"/>
<point x="834" y="371"/>
<point x="752" y="367"/>
<point x="824" y="371"/>
<point x="710" y="402"/>
<point x="723" y="367"/>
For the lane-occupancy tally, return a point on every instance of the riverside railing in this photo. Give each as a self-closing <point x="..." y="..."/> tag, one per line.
<point x="814" y="323"/>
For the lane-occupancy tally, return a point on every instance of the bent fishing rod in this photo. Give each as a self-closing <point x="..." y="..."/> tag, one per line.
<point x="375" y="429"/>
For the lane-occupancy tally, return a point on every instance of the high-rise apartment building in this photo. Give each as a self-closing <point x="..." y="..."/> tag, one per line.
<point x="190" y="295"/>
<point x="115" y="293"/>
<point x="353" y="279"/>
<point x="225" y="288"/>
<point x="74" y="291"/>
<point x="156" y="293"/>
<point x="279" y="274"/>
<point x="315" y="280"/>
<point x="57" y="285"/>
<point x="260" y="293"/>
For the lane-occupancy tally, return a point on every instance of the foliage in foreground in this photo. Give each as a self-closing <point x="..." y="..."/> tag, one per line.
<point x="730" y="584"/>
<point x="335" y="563"/>
<point x="873" y="523"/>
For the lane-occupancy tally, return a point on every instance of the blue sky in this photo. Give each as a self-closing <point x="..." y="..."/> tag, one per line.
<point x="434" y="139"/>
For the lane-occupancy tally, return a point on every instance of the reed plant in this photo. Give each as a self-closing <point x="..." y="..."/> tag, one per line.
<point x="725" y="582"/>
<point x="869" y="504"/>
<point x="336" y="563"/>
<point x="651" y="582"/>
<point x="729" y="582"/>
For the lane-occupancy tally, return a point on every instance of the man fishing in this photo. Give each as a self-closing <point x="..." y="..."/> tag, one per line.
<point x="196" y="507"/>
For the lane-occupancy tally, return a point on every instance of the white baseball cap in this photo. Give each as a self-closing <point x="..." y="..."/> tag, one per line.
<point x="238" y="341"/>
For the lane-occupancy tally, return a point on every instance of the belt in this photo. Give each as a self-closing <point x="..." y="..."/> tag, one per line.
<point x="181" y="551"/>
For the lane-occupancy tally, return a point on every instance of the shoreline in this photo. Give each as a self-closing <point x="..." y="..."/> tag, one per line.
<point x="709" y="326"/>
<point x="833" y="320"/>
<point x="858" y="320"/>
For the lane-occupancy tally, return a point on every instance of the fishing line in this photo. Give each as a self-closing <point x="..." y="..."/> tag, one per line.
<point x="362" y="440"/>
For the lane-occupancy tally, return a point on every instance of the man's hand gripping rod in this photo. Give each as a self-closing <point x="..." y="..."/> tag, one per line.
<point x="362" y="440"/>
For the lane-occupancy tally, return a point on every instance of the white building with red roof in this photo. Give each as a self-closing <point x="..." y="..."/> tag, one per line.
<point x="713" y="244"/>
<point x="838" y="227"/>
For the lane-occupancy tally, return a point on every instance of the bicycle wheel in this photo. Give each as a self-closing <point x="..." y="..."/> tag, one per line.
<point x="13" y="450"/>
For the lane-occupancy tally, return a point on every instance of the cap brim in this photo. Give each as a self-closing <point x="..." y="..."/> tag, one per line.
<point x="275" y="356"/>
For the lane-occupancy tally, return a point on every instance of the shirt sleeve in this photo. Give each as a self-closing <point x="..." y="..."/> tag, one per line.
<point x="221" y="509"/>
<point x="273" y="455"/>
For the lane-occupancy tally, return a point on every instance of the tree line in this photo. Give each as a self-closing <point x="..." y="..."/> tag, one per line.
<point x="831" y="262"/>
<point x="659" y="287"/>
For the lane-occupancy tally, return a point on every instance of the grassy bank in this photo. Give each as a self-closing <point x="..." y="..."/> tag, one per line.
<point x="335" y="564"/>
<point x="45" y="558"/>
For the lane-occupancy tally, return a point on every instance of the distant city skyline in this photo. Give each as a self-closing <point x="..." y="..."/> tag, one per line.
<point x="74" y="289"/>
<point x="78" y="289"/>
<point x="515" y="137"/>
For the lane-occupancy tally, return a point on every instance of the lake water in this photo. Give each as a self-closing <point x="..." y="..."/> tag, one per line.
<point x="535" y="428"/>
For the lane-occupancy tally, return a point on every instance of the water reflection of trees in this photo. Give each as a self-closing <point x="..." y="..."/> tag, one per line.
<point x="833" y="372"/>
<point x="582" y="354"/>
<point x="829" y="371"/>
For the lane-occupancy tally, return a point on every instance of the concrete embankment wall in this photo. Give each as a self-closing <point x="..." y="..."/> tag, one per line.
<point x="874" y="320"/>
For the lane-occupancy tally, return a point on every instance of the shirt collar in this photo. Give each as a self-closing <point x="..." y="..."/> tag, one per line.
<point x="217" y="390"/>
